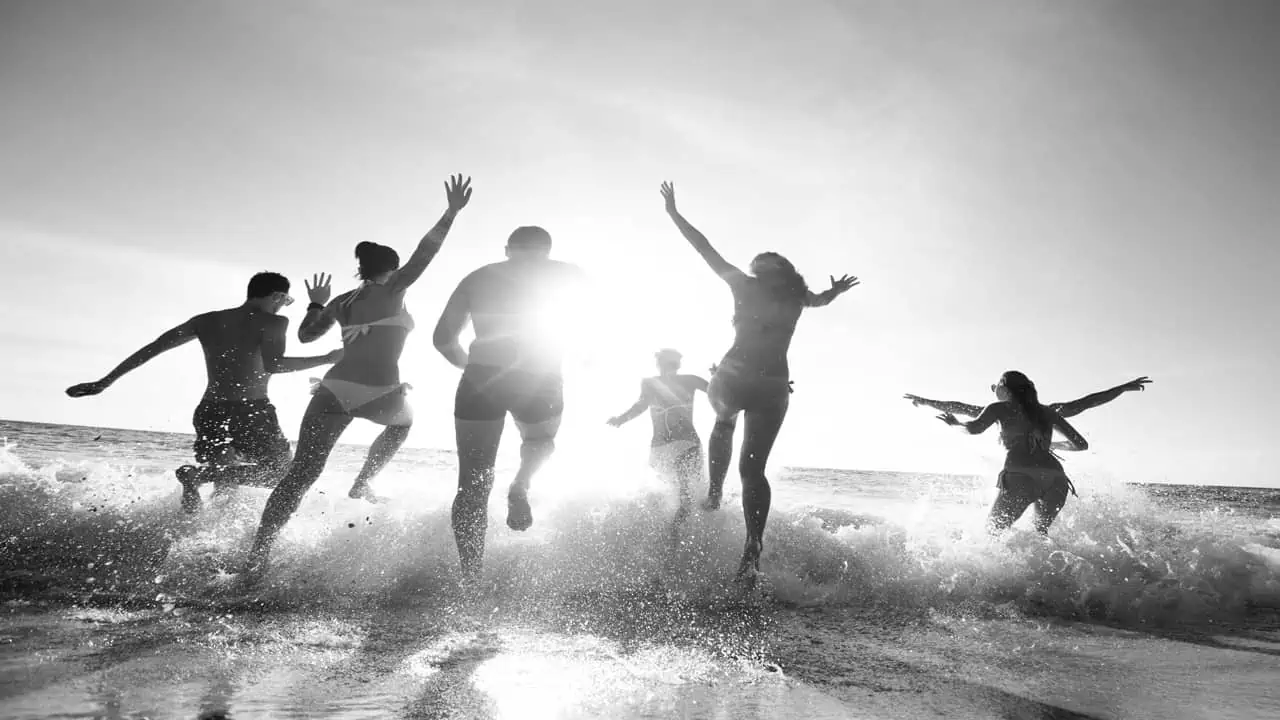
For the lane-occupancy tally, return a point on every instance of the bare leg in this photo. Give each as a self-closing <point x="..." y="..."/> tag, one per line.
<point x="761" y="431"/>
<point x="1048" y="507"/>
<point x="537" y="443"/>
<point x="477" y="452"/>
<point x="320" y="432"/>
<point x="1005" y="511"/>
<point x="688" y="471"/>
<point x="719" y="454"/>
<point x="381" y="451"/>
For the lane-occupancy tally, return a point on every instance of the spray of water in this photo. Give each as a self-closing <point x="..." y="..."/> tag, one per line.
<point x="87" y="532"/>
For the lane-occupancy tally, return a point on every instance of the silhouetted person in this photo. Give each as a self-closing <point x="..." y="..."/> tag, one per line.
<point x="753" y="378"/>
<point x="1065" y="409"/>
<point x="676" y="450"/>
<point x="366" y="383"/>
<point x="1032" y="473"/>
<point x="518" y="309"/>
<point x="238" y="437"/>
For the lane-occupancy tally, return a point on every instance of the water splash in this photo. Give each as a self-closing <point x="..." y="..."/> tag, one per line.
<point x="97" y="533"/>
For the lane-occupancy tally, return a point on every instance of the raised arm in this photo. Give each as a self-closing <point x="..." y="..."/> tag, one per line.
<point x="449" y="328"/>
<point x="273" y="343"/>
<point x="1075" y="441"/>
<point x="458" y="192"/>
<point x="1088" y="402"/>
<point x="727" y="271"/>
<point x="838" y="288"/>
<point x="978" y="425"/>
<point x="947" y="406"/>
<point x="320" y="314"/>
<point x="170" y="339"/>
<point x="635" y="410"/>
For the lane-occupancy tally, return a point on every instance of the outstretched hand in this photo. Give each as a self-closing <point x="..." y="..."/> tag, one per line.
<point x="1140" y="384"/>
<point x="844" y="284"/>
<point x="949" y="419"/>
<point x="669" y="195"/>
<point x="318" y="289"/>
<point x="915" y="399"/>
<point x="89" y="388"/>
<point x="458" y="192"/>
<point x="614" y="422"/>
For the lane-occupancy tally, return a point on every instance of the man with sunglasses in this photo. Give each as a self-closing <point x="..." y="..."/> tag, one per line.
<point x="238" y="436"/>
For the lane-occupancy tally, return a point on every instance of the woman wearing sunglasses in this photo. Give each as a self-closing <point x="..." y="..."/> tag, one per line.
<point x="1032" y="473"/>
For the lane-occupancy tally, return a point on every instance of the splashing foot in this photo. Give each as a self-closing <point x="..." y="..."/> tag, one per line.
<point x="519" y="514"/>
<point x="749" y="568"/>
<point x="188" y="475"/>
<point x="712" y="503"/>
<point x="362" y="491"/>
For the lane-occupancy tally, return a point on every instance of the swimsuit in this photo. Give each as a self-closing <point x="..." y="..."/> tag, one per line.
<point x="250" y="427"/>
<point x="488" y="393"/>
<point x="352" y="395"/>
<point x="732" y="391"/>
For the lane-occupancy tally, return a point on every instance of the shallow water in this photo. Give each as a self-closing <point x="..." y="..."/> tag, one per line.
<point x="881" y="597"/>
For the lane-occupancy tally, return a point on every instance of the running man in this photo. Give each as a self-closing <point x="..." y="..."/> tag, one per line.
<point x="517" y="308"/>
<point x="238" y="437"/>
<point x="676" y="450"/>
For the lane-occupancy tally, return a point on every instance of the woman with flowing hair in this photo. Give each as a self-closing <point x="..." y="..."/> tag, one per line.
<point x="1032" y="473"/>
<point x="753" y="378"/>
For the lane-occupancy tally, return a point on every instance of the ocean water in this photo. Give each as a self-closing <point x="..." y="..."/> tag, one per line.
<point x="881" y="597"/>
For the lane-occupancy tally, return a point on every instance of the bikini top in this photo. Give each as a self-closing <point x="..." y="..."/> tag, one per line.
<point x="350" y="332"/>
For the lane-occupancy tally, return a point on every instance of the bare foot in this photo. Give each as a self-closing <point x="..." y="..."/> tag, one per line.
<point x="362" y="491"/>
<point x="519" y="514"/>
<point x="750" y="565"/>
<point x="253" y="570"/>
<point x="712" y="503"/>
<point x="189" y="475"/>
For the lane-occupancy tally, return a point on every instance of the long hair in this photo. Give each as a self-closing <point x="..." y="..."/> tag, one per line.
<point x="789" y="284"/>
<point x="1023" y="395"/>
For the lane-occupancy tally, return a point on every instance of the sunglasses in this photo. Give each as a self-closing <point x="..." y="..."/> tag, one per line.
<point x="285" y="298"/>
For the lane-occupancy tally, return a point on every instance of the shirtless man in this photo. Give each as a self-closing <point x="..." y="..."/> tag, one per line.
<point x="518" y="309"/>
<point x="676" y="450"/>
<point x="238" y="437"/>
<point x="1064" y="409"/>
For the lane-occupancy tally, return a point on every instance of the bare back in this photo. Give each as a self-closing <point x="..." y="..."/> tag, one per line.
<point x="763" y="327"/>
<point x="519" y="312"/>
<point x="1026" y="445"/>
<point x="372" y="357"/>
<point x="671" y="405"/>
<point x="232" y="343"/>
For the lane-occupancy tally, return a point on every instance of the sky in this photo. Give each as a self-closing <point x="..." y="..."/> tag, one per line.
<point x="1082" y="191"/>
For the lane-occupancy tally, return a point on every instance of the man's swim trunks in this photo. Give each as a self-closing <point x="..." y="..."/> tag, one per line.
<point x="488" y="393"/>
<point x="250" y="427"/>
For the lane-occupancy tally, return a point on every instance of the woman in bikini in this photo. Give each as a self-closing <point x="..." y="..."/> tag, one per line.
<point x="675" y="451"/>
<point x="753" y="378"/>
<point x="366" y="383"/>
<point x="1032" y="473"/>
